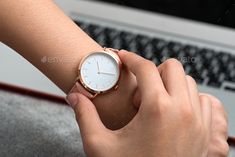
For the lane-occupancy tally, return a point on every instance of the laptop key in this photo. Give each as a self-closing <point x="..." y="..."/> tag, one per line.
<point x="196" y="75"/>
<point x="158" y="44"/>
<point x="127" y="38"/>
<point x="102" y="40"/>
<point x="148" y="52"/>
<point x="223" y="57"/>
<point x="111" y="34"/>
<point x="190" y="50"/>
<point x="84" y="26"/>
<point x="215" y="79"/>
<point x="231" y="76"/>
<point x="174" y="47"/>
<point x="95" y="31"/>
<point x="142" y="42"/>
<point x="113" y="39"/>
<point x="230" y="72"/>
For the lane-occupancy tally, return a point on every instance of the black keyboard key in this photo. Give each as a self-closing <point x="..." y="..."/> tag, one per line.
<point x="156" y="61"/>
<point x="142" y="40"/>
<point x="195" y="72"/>
<point x="190" y="50"/>
<point x="159" y="44"/>
<point x="208" y="54"/>
<point x="116" y="43"/>
<point x="230" y="72"/>
<point x="216" y="81"/>
<point x="165" y="53"/>
<point x="223" y="57"/>
<point x="95" y="31"/>
<point x="102" y="40"/>
<point x="174" y="47"/>
<point x="142" y="43"/>
<point x="133" y="47"/>
<point x="127" y="41"/>
<point x="111" y="34"/>
<point x="231" y="76"/>
<point x="197" y="77"/>
<point x="79" y="23"/>
<point x="232" y="89"/>
<point x="215" y="78"/>
<point x="204" y="74"/>
<point x="84" y="26"/>
<point x="127" y="37"/>
<point x="113" y="40"/>
<point x="230" y="66"/>
<point x="148" y="52"/>
<point x="199" y="66"/>
<point x="187" y="68"/>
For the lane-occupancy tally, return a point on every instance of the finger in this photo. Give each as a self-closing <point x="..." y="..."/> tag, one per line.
<point x="218" y="143"/>
<point x="148" y="78"/>
<point x="219" y="118"/>
<point x="86" y="115"/>
<point x="194" y="96"/>
<point x="206" y="110"/>
<point x="173" y="77"/>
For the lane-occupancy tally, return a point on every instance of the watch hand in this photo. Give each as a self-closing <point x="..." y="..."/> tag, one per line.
<point x="98" y="67"/>
<point x="107" y="73"/>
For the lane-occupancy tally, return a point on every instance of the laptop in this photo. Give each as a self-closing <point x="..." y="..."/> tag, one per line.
<point x="199" y="34"/>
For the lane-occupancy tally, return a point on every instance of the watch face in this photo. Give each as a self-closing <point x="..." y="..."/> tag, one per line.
<point x="99" y="71"/>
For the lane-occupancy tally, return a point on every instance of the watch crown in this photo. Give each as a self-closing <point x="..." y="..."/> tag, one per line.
<point x="111" y="49"/>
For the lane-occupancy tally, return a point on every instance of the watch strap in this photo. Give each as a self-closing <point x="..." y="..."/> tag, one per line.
<point x="78" y="88"/>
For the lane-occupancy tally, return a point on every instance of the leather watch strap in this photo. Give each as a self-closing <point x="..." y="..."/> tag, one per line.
<point x="80" y="89"/>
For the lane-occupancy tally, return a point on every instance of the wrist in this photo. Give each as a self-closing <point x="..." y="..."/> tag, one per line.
<point x="74" y="62"/>
<point x="115" y="107"/>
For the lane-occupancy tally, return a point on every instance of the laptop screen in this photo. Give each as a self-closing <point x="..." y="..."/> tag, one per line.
<point x="218" y="12"/>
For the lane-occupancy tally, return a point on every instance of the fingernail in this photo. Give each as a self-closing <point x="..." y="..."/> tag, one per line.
<point x="72" y="99"/>
<point x="122" y="50"/>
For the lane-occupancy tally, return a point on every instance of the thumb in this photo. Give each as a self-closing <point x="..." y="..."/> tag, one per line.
<point x="137" y="99"/>
<point x="86" y="114"/>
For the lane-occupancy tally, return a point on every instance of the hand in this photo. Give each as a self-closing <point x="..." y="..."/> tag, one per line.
<point x="172" y="119"/>
<point x="218" y="146"/>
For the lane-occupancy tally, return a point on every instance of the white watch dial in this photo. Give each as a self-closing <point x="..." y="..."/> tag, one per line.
<point x="99" y="71"/>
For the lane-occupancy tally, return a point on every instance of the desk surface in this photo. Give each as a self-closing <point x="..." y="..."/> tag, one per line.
<point x="15" y="70"/>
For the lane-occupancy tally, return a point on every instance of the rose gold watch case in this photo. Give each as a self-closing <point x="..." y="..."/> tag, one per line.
<point x="109" y="51"/>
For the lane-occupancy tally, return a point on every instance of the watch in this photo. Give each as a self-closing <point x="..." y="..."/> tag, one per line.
<point x="98" y="72"/>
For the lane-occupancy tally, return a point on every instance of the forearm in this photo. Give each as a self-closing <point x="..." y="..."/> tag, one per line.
<point x="47" y="38"/>
<point x="38" y="29"/>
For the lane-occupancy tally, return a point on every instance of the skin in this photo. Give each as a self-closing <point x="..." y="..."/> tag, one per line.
<point x="172" y="117"/>
<point x="29" y="28"/>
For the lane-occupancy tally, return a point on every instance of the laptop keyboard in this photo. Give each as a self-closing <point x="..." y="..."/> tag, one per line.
<point x="206" y="66"/>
